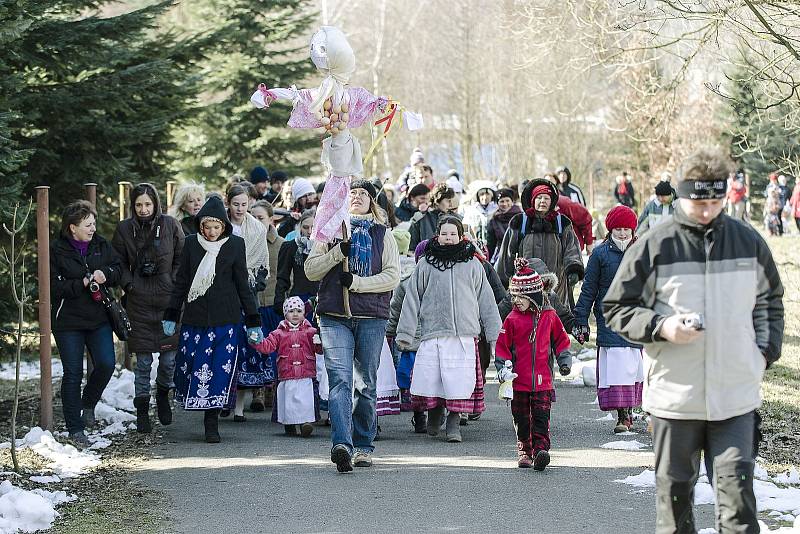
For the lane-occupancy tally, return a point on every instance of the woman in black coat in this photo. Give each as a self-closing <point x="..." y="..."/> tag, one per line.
<point x="149" y="244"/>
<point x="212" y="288"/>
<point x="81" y="264"/>
<point x="292" y="279"/>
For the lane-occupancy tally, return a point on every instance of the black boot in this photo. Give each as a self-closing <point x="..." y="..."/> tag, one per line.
<point x="142" y="405"/>
<point x="163" y="408"/>
<point x="211" y="423"/>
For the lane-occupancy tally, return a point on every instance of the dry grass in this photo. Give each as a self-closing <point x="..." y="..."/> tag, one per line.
<point x="781" y="390"/>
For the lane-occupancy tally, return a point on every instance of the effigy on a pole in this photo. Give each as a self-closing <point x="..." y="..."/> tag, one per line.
<point x="335" y="108"/>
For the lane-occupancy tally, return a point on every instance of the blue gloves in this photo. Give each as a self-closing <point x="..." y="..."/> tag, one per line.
<point x="255" y="335"/>
<point x="168" y="327"/>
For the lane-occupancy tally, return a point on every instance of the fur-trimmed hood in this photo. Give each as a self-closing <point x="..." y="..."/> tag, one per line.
<point x="526" y="194"/>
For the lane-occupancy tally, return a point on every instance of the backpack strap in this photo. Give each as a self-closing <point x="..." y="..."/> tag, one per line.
<point x="523" y="225"/>
<point x="558" y="224"/>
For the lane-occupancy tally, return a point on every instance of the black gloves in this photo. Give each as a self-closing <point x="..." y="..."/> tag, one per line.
<point x="581" y="333"/>
<point x="345" y="248"/>
<point x="564" y="370"/>
<point x="346" y="279"/>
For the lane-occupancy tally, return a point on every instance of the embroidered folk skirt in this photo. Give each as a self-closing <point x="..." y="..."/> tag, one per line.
<point x="255" y="369"/>
<point x="205" y="367"/>
<point x="620" y="377"/>
<point x="386" y="387"/>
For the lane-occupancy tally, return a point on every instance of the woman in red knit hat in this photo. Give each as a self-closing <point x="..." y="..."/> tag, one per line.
<point x="619" y="363"/>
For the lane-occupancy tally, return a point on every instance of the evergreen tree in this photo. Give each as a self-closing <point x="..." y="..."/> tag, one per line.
<point x="757" y="137"/>
<point x="95" y="97"/>
<point x="257" y="41"/>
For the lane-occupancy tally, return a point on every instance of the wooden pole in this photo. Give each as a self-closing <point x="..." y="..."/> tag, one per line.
<point x="346" y="268"/>
<point x="91" y="193"/>
<point x="172" y="185"/>
<point x="45" y="349"/>
<point x="124" y="189"/>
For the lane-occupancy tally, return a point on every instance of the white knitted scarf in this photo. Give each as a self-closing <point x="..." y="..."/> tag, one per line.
<point x="204" y="276"/>
<point x="255" y="245"/>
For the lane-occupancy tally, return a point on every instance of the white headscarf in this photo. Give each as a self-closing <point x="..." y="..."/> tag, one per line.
<point x="333" y="56"/>
<point x="207" y="270"/>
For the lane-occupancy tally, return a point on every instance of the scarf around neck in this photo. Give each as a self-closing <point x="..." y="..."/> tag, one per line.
<point x="304" y="245"/>
<point x="361" y="245"/>
<point x="255" y="245"/>
<point x="207" y="270"/>
<point x="443" y="257"/>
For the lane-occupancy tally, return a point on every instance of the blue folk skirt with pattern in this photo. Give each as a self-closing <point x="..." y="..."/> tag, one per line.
<point x="255" y="370"/>
<point x="205" y="366"/>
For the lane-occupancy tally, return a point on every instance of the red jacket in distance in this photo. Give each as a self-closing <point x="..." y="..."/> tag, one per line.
<point x="581" y="220"/>
<point x="296" y="350"/>
<point x="535" y="373"/>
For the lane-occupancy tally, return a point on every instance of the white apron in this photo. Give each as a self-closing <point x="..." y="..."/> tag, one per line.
<point x="387" y="376"/>
<point x="619" y="366"/>
<point x="296" y="402"/>
<point x="445" y="368"/>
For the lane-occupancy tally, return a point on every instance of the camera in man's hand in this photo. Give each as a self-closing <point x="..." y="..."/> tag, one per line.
<point x="148" y="267"/>
<point x="695" y="321"/>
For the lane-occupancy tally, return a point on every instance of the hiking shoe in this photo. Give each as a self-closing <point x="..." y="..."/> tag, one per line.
<point x="620" y="428"/>
<point x="80" y="440"/>
<point x="239" y="418"/>
<point x="89" y="420"/>
<point x="462" y="419"/>
<point x="524" y="461"/>
<point x="434" y="423"/>
<point x="290" y="430"/>
<point x="420" y="422"/>
<point x="143" y="425"/>
<point x="541" y="460"/>
<point x="163" y="408"/>
<point x="306" y="429"/>
<point x="474" y="416"/>
<point x="257" y="405"/>
<point x="362" y="459"/>
<point x="341" y="457"/>
<point x="453" y="429"/>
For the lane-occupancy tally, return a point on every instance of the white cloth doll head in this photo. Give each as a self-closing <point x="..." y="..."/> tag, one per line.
<point x="332" y="55"/>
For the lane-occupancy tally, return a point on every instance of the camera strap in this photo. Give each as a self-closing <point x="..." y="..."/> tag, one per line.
<point x="153" y="238"/>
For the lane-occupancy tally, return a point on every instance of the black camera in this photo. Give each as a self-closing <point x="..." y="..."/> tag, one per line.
<point x="148" y="268"/>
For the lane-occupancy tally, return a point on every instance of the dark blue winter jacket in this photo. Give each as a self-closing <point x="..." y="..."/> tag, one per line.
<point x="600" y="271"/>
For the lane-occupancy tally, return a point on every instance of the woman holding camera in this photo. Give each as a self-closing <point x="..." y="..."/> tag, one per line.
<point x="82" y="266"/>
<point x="149" y="244"/>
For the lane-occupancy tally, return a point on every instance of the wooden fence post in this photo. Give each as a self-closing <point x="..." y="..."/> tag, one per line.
<point x="45" y="349"/>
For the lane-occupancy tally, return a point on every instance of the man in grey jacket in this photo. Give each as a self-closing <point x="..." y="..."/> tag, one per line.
<point x="702" y="293"/>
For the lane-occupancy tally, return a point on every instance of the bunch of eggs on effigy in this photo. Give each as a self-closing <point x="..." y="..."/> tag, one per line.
<point x="334" y="118"/>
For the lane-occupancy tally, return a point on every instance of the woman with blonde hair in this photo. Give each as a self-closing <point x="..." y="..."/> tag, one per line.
<point x="188" y="200"/>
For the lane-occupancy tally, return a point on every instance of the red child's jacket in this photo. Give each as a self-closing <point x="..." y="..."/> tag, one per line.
<point x="296" y="350"/>
<point x="535" y="373"/>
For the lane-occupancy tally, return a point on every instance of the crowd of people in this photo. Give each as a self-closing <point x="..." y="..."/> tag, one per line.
<point x="434" y="281"/>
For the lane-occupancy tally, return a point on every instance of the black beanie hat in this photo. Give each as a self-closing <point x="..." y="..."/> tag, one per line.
<point x="419" y="189"/>
<point x="278" y="176"/>
<point x="505" y="193"/>
<point x="663" y="189"/>
<point x="360" y="183"/>
<point x="258" y="175"/>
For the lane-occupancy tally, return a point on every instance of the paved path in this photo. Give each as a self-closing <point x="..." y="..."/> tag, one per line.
<point x="257" y="480"/>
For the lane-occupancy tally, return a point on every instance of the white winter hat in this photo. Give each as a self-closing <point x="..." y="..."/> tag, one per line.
<point x="301" y="187"/>
<point x="455" y="184"/>
<point x="293" y="303"/>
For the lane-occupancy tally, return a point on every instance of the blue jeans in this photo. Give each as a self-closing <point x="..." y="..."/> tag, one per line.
<point x="71" y="345"/>
<point x="352" y="352"/>
<point x="144" y="366"/>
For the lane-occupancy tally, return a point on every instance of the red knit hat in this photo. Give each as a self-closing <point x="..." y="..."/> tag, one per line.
<point x="526" y="282"/>
<point x="621" y="217"/>
<point x="540" y="190"/>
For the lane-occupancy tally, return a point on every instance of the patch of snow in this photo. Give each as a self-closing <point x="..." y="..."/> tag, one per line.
<point x="707" y="531"/>
<point x="112" y="415"/>
<point x="29" y="370"/>
<point x="45" y="479"/>
<point x="586" y="354"/>
<point x="645" y="479"/>
<point x="633" y="445"/>
<point x="119" y="391"/>
<point x="22" y="510"/>
<point x="66" y="460"/>
<point x="589" y="374"/>
<point x="55" y="497"/>
<point x="608" y="417"/>
<point x="703" y="493"/>
<point x="790" y="477"/>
